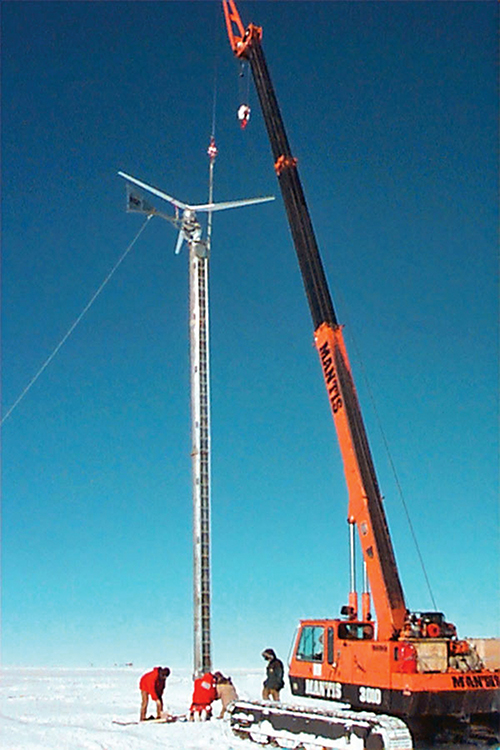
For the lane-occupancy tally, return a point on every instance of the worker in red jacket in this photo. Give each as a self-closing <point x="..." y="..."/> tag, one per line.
<point x="152" y="685"/>
<point x="205" y="691"/>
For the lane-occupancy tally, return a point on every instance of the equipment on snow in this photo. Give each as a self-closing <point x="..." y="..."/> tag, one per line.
<point x="151" y="720"/>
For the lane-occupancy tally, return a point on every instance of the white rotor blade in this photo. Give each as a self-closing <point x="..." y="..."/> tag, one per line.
<point x="180" y="240"/>
<point x="155" y="191"/>
<point x="205" y="207"/>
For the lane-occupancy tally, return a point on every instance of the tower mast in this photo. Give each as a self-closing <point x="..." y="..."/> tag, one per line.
<point x="200" y="430"/>
<point x="190" y="231"/>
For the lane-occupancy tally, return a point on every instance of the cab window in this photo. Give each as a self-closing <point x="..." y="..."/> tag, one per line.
<point x="354" y="631"/>
<point x="329" y="646"/>
<point x="310" y="646"/>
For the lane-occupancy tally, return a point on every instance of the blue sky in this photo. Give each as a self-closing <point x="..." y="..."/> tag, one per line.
<point x="391" y="109"/>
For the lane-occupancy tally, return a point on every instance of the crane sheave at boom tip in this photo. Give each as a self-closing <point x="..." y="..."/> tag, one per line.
<point x="204" y="207"/>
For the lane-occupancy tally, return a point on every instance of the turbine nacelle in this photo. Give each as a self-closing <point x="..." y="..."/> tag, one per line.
<point x="189" y="228"/>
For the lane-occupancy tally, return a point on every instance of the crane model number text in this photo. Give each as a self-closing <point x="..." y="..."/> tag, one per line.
<point x="370" y="695"/>
<point x="330" y="377"/>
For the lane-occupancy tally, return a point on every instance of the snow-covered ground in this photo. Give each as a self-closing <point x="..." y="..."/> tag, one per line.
<point x="74" y="709"/>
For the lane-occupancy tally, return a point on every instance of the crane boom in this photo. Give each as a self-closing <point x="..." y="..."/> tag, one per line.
<point x="365" y="501"/>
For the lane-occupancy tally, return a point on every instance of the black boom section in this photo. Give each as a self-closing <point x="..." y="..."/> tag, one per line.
<point x="370" y="483"/>
<point x="320" y="303"/>
<point x="313" y="275"/>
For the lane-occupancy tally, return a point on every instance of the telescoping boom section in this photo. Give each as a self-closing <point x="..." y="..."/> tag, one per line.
<point x="365" y="502"/>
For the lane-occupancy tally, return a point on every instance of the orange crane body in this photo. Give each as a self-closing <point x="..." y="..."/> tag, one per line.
<point x="387" y="594"/>
<point x="410" y="665"/>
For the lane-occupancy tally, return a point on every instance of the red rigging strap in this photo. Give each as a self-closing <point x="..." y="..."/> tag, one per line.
<point x="241" y="40"/>
<point x="212" y="149"/>
<point x="284" y="162"/>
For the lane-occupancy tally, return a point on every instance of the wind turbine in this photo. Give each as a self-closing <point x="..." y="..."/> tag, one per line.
<point x="189" y="228"/>
<point x="190" y="231"/>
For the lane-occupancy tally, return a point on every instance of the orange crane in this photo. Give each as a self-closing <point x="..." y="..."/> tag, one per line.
<point x="410" y="665"/>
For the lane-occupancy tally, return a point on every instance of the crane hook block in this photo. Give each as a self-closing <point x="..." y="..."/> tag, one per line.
<point x="244" y="115"/>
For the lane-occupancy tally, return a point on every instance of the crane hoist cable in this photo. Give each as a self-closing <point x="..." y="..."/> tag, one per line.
<point x="243" y="94"/>
<point x="212" y="148"/>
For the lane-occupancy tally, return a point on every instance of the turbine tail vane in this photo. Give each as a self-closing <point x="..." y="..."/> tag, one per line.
<point x="136" y="203"/>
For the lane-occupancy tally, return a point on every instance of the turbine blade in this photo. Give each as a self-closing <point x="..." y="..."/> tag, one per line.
<point x="206" y="207"/>
<point x="180" y="240"/>
<point x="154" y="190"/>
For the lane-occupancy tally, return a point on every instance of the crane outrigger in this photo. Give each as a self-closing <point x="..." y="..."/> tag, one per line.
<point x="408" y="665"/>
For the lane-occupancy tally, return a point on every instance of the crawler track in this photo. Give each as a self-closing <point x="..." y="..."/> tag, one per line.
<point x="297" y="727"/>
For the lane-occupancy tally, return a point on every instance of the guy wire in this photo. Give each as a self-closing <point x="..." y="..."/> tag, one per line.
<point x="392" y="465"/>
<point x="74" y="325"/>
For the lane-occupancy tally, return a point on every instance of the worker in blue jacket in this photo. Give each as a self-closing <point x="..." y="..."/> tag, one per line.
<point x="274" y="679"/>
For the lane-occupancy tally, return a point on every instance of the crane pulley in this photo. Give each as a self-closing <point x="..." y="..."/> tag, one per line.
<point x="241" y="40"/>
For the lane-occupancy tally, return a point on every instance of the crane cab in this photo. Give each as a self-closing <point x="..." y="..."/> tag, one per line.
<point x="327" y="654"/>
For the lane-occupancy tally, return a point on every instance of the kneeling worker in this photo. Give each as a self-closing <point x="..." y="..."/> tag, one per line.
<point x="226" y="692"/>
<point x="204" y="694"/>
<point x="152" y="684"/>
